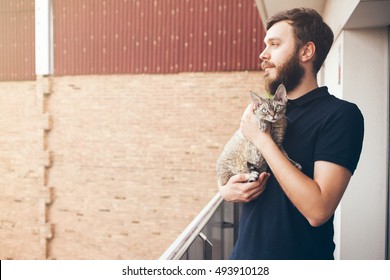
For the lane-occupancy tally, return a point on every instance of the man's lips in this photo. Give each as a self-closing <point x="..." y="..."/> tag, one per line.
<point x="265" y="65"/>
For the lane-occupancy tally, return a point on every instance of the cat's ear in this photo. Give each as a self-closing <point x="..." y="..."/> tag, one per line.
<point x="255" y="98"/>
<point x="281" y="94"/>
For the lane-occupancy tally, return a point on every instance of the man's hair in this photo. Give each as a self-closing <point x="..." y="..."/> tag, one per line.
<point x="308" y="26"/>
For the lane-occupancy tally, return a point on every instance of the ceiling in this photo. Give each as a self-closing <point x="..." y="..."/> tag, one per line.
<point x="367" y="14"/>
<point x="272" y="6"/>
<point x="370" y="13"/>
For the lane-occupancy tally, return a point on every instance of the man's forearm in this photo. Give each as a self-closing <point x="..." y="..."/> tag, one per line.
<point x="303" y="191"/>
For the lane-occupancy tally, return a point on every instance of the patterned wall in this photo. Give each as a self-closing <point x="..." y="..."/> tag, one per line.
<point x="156" y="36"/>
<point x="17" y="56"/>
<point x="134" y="37"/>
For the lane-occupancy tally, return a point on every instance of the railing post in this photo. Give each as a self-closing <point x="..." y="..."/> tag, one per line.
<point x="212" y="222"/>
<point x="179" y="247"/>
<point x="236" y="214"/>
<point x="207" y="247"/>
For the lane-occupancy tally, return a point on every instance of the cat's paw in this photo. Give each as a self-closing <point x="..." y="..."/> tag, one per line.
<point x="253" y="176"/>
<point x="297" y="165"/>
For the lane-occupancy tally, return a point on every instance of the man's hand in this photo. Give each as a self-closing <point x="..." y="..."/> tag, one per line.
<point x="250" y="128"/>
<point x="237" y="189"/>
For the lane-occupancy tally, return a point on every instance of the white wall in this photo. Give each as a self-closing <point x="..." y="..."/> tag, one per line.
<point x="336" y="13"/>
<point x="360" y="222"/>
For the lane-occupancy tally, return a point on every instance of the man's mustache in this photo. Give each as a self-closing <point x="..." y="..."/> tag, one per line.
<point x="266" y="64"/>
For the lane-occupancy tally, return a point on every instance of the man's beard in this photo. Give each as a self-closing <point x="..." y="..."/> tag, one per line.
<point x="290" y="74"/>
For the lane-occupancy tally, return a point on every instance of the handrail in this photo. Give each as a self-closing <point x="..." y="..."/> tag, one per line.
<point x="185" y="239"/>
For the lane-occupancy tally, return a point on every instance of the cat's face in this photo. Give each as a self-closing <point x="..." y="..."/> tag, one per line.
<point x="270" y="109"/>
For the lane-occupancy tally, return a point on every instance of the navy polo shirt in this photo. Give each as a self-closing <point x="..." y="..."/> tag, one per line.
<point x="320" y="127"/>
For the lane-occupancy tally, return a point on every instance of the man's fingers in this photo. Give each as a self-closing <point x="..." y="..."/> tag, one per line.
<point x="263" y="178"/>
<point x="259" y="187"/>
<point x="239" y="178"/>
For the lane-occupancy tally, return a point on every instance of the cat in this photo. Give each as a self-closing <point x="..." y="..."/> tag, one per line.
<point x="240" y="155"/>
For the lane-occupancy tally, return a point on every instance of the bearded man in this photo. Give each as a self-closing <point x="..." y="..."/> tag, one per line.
<point x="288" y="213"/>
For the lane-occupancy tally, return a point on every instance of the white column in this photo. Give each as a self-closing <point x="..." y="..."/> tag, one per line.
<point x="356" y="70"/>
<point x="43" y="37"/>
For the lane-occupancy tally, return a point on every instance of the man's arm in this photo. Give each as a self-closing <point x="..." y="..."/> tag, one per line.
<point x="316" y="198"/>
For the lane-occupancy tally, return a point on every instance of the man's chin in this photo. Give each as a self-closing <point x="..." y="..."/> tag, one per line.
<point x="268" y="80"/>
<point x="267" y="72"/>
<point x="271" y="85"/>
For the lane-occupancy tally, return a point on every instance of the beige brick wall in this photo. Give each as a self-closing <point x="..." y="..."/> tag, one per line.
<point x="132" y="160"/>
<point x="21" y="175"/>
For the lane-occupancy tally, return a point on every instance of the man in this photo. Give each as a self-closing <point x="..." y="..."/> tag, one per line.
<point x="288" y="213"/>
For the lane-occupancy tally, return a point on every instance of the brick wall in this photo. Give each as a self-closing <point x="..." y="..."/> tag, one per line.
<point x="21" y="175"/>
<point x="131" y="160"/>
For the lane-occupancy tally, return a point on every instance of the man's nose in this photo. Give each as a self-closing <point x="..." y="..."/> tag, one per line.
<point x="264" y="55"/>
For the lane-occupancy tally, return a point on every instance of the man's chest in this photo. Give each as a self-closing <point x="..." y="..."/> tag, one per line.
<point x="300" y="141"/>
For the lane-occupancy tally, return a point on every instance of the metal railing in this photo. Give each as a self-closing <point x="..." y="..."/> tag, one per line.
<point x="210" y="236"/>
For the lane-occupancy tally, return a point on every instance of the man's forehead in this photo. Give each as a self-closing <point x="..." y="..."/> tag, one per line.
<point x="278" y="31"/>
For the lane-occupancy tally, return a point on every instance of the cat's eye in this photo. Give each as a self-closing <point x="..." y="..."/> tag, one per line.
<point x="278" y="108"/>
<point x="264" y="110"/>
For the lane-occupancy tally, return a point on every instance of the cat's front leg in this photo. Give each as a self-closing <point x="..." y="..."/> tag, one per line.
<point x="296" y="164"/>
<point x="253" y="172"/>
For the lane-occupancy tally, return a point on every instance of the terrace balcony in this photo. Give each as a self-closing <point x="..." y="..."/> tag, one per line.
<point x="210" y="236"/>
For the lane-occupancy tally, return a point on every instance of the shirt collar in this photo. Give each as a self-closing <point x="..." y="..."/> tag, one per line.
<point x="310" y="96"/>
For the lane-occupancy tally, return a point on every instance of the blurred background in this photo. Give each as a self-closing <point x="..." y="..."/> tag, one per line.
<point x="113" y="113"/>
<point x="109" y="151"/>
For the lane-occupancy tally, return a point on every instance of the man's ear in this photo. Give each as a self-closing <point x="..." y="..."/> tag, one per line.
<point x="308" y="51"/>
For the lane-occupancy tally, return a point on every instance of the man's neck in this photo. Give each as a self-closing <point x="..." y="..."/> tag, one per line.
<point x="308" y="84"/>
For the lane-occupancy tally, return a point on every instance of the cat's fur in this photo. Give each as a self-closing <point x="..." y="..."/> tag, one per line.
<point x="240" y="155"/>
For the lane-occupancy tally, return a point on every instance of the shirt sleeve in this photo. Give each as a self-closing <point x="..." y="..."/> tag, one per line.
<point x="341" y="138"/>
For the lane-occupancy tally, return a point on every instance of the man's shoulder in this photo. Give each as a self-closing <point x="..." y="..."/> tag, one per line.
<point x="334" y="105"/>
<point x="342" y="107"/>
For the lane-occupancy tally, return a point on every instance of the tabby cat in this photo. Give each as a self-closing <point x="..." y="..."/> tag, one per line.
<point x="240" y="155"/>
